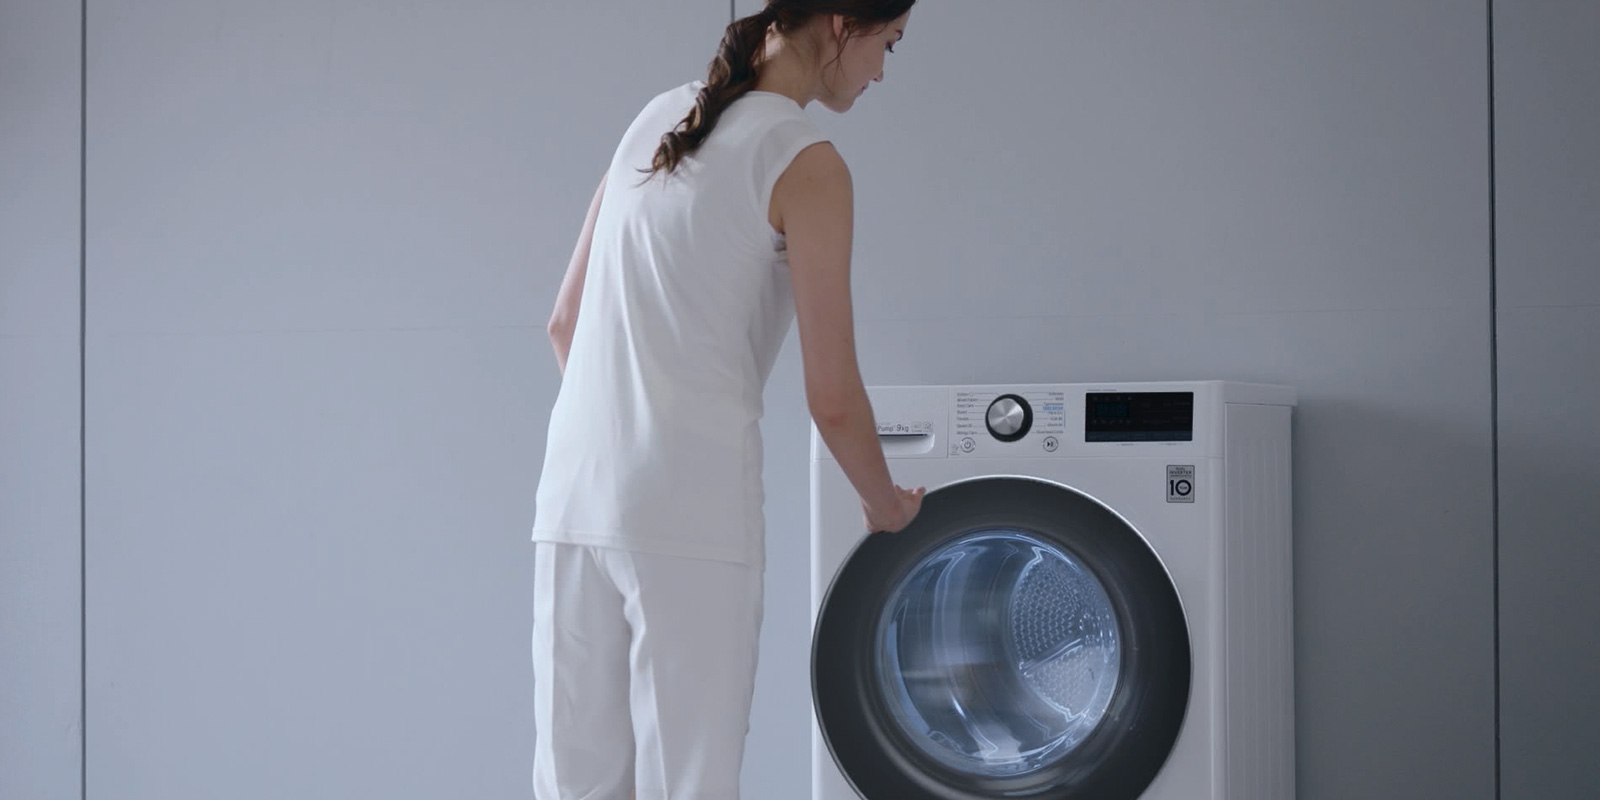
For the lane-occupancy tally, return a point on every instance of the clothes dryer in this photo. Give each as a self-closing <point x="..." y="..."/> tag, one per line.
<point x="1094" y="604"/>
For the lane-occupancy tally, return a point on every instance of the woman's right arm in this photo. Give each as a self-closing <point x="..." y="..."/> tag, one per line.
<point x="564" y="318"/>
<point x="812" y="204"/>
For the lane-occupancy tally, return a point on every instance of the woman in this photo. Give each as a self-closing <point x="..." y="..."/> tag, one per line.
<point x="724" y="215"/>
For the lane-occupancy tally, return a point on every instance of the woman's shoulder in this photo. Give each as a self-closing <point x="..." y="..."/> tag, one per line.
<point x="682" y="95"/>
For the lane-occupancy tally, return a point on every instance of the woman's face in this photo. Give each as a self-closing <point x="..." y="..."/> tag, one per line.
<point x="860" y="61"/>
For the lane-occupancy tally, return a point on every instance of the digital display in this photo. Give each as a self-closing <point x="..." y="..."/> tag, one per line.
<point x="1106" y="410"/>
<point x="1138" y="417"/>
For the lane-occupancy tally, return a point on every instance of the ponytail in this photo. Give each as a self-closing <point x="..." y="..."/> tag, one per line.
<point x="735" y="69"/>
<point x="731" y="75"/>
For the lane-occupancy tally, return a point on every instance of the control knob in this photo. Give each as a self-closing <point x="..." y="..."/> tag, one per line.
<point x="1009" y="418"/>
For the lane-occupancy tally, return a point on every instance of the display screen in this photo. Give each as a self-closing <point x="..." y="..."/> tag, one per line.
<point x="1138" y="417"/>
<point x="1104" y="409"/>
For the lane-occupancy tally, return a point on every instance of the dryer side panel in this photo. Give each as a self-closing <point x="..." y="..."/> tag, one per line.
<point x="1258" y="605"/>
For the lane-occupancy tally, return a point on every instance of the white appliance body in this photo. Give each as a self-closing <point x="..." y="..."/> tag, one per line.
<point x="1211" y="503"/>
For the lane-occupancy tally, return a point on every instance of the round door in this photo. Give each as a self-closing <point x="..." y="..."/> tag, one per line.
<point x="1017" y="640"/>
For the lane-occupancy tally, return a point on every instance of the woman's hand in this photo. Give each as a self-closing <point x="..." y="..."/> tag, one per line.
<point x="890" y="520"/>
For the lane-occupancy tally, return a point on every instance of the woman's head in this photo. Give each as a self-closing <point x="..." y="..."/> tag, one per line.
<point x="827" y="50"/>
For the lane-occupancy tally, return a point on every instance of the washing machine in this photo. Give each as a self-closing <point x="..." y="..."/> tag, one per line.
<point x="1094" y="603"/>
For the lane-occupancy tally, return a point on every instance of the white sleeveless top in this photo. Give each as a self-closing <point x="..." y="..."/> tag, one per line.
<point x="654" y="443"/>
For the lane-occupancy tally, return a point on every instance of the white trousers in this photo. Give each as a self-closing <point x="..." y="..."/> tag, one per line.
<point x="644" y="666"/>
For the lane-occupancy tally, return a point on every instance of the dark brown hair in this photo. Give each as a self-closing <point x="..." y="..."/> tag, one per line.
<point x="734" y="70"/>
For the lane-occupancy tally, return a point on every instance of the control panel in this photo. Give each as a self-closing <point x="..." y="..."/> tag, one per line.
<point x="1172" y="419"/>
<point x="988" y="421"/>
<point x="982" y="419"/>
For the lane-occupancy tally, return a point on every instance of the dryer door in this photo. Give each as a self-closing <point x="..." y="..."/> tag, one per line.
<point x="1018" y="640"/>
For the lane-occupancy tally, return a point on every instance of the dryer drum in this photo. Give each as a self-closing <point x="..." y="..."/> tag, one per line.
<point x="1018" y="640"/>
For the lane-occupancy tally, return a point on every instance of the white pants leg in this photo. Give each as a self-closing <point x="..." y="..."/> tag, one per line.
<point x="583" y="737"/>
<point x="672" y="641"/>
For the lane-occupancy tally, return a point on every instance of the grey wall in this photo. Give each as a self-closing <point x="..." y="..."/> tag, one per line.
<point x="322" y="239"/>
<point x="1547" y="208"/>
<point x="40" y="464"/>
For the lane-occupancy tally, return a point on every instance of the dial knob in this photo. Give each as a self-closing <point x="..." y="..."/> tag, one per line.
<point x="1009" y="418"/>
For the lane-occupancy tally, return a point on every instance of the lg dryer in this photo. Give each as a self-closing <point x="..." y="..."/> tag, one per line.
<point x="1094" y="604"/>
